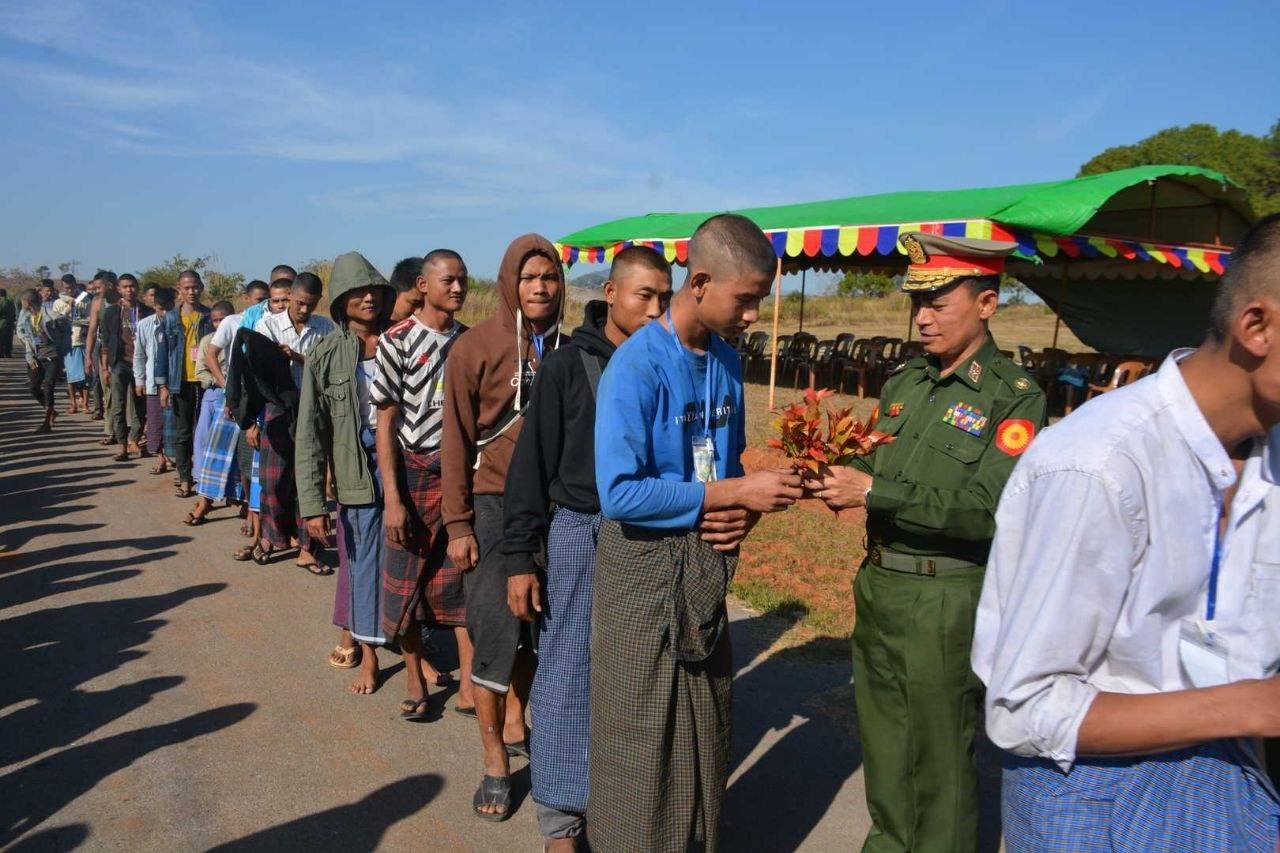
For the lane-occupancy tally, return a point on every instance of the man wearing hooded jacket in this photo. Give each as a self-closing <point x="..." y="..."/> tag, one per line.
<point x="554" y="459"/>
<point x="487" y="381"/>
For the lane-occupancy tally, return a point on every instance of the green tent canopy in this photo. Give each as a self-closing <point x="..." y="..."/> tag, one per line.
<point x="1122" y="235"/>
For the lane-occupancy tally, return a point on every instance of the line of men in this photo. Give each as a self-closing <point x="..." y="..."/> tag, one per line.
<point x="574" y="504"/>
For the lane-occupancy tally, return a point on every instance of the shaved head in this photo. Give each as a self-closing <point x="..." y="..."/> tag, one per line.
<point x="1253" y="271"/>
<point x="731" y="246"/>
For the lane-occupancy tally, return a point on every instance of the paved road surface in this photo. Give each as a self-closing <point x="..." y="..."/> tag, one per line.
<point x="158" y="696"/>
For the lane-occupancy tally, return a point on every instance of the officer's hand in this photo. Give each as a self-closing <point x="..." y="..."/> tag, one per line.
<point x="726" y="529"/>
<point x="395" y="522"/>
<point x="769" y="491"/>
<point x="524" y="596"/>
<point x="464" y="552"/>
<point x="318" y="528"/>
<point x="843" y="488"/>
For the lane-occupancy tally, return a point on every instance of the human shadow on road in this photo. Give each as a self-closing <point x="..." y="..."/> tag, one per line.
<point x="352" y="828"/>
<point x="43" y="788"/>
<point x="810" y="763"/>
<point x="67" y="837"/>
<point x="53" y="651"/>
<point x="16" y="538"/>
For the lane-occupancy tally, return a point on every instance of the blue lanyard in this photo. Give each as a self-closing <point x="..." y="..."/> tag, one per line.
<point x="538" y="342"/>
<point x="1212" y="606"/>
<point x="708" y="425"/>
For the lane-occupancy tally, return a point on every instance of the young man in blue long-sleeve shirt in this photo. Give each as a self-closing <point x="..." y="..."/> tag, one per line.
<point x="669" y="432"/>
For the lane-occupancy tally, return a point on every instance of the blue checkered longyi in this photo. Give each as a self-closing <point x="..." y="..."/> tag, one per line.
<point x="561" y="688"/>
<point x="1209" y="799"/>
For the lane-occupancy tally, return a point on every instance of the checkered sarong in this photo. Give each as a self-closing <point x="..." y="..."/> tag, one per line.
<point x="156" y="419"/>
<point x="660" y="725"/>
<point x="421" y="584"/>
<point x="170" y="433"/>
<point x="279" y="502"/>
<point x="559" y="701"/>
<point x="1209" y="799"/>
<point x="218" y="476"/>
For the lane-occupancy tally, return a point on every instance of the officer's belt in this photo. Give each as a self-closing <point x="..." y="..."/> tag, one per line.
<point x="913" y="564"/>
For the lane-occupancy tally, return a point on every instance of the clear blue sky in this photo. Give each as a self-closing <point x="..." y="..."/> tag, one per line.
<point x="285" y="131"/>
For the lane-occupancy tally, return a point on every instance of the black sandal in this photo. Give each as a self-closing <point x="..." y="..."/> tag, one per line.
<point x="244" y="554"/>
<point x="414" y="710"/>
<point x="519" y="749"/>
<point x="193" y="520"/>
<point x="184" y="490"/>
<point x="493" y="791"/>
<point x="466" y="712"/>
<point x="261" y="555"/>
<point x="122" y="456"/>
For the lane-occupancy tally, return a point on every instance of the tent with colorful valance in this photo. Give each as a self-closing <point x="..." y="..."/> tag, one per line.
<point x="1147" y="243"/>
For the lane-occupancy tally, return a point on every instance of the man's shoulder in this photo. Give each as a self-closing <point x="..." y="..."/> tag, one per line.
<point x="1018" y="381"/>
<point x="1100" y="435"/>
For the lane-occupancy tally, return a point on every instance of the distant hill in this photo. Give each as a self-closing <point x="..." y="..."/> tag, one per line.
<point x="586" y="287"/>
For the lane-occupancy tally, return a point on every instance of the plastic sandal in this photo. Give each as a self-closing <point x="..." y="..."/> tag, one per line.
<point x="493" y="791"/>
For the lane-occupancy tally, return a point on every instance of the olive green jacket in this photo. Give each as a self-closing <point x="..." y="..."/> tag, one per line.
<point x="956" y="440"/>
<point x="329" y="422"/>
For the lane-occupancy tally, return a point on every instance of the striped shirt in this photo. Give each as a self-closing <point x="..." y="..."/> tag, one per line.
<point x="410" y="373"/>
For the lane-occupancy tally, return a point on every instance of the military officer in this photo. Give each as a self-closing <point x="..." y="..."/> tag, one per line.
<point x="960" y="415"/>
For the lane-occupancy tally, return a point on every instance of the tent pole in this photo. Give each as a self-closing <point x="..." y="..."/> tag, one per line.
<point x="1151" y="213"/>
<point x="773" y="342"/>
<point x="1057" y="315"/>
<point x="802" y="274"/>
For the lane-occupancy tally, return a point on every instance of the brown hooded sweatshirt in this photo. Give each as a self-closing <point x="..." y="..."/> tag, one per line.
<point x="481" y="379"/>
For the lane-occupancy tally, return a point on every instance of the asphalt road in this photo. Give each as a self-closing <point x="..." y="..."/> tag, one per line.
<point x="157" y="695"/>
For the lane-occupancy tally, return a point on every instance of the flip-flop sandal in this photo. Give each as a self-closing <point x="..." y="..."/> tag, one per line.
<point x="193" y="520"/>
<point x="107" y="442"/>
<point x="344" y="658"/>
<point x="318" y="569"/>
<point x="493" y="791"/>
<point x="120" y="457"/>
<point x="261" y="555"/>
<point x="184" y="491"/>
<point x="466" y="712"/>
<point x="414" y="710"/>
<point x="518" y="750"/>
<point x="243" y="555"/>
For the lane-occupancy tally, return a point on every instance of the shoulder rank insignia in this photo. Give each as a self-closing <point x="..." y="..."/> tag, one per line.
<point x="895" y="409"/>
<point x="975" y="372"/>
<point x="966" y="417"/>
<point x="1021" y="384"/>
<point x="1013" y="436"/>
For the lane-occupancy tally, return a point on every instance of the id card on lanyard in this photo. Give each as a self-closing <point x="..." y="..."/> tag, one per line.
<point x="703" y="445"/>
<point x="1202" y="650"/>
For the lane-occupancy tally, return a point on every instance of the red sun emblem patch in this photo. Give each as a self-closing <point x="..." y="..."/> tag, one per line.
<point x="1013" y="436"/>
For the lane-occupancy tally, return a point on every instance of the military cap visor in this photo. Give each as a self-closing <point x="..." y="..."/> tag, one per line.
<point x="938" y="262"/>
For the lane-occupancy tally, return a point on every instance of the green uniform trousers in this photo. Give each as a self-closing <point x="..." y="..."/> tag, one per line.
<point x="918" y="705"/>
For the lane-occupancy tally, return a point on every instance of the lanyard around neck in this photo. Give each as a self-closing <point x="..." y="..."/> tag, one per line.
<point x="1211" y="607"/>
<point x="708" y="424"/>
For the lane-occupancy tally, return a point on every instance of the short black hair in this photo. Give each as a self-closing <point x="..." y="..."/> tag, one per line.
<point x="442" y="255"/>
<point x="256" y="284"/>
<point x="151" y="285"/>
<point x="223" y="305"/>
<point x="309" y="283"/>
<point x="45" y="282"/>
<point x="277" y="283"/>
<point x="1250" y="269"/>
<point x="70" y="279"/>
<point x="734" y="244"/>
<point x="406" y="272"/>
<point x="165" y="297"/>
<point x="189" y="273"/>
<point x="30" y="296"/>
<point x="130" y="276"/>
<point x="639" y="256"/>
<point x="289" y="272"/>
<point x="106" y="275"/>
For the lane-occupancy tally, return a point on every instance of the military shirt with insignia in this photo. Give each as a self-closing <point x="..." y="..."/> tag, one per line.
<point x="957" y="438"/>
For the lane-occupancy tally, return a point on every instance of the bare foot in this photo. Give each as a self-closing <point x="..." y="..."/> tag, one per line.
<point x="433" y="676"/>
<point x="367" y="681"/>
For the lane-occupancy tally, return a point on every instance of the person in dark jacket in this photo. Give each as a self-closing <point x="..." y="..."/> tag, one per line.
<point x="119" y="338"/>
<point x="552" y="499"/>
<point x="8" y="322"/>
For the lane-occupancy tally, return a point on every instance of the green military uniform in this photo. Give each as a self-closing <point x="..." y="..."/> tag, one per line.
<point x="930" y="520"/>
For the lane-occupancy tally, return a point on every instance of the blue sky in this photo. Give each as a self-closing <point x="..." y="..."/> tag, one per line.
<point x="284" y="131"/>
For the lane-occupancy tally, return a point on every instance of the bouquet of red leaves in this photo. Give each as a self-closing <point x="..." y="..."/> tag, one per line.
<point x="813" y="449"/>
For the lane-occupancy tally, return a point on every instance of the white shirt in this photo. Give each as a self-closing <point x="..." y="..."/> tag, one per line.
<point x="280" y="329"/>
<point x="144" y="353"/>
<point x="1104" y="541"/>
<point x="222" y="338"/>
